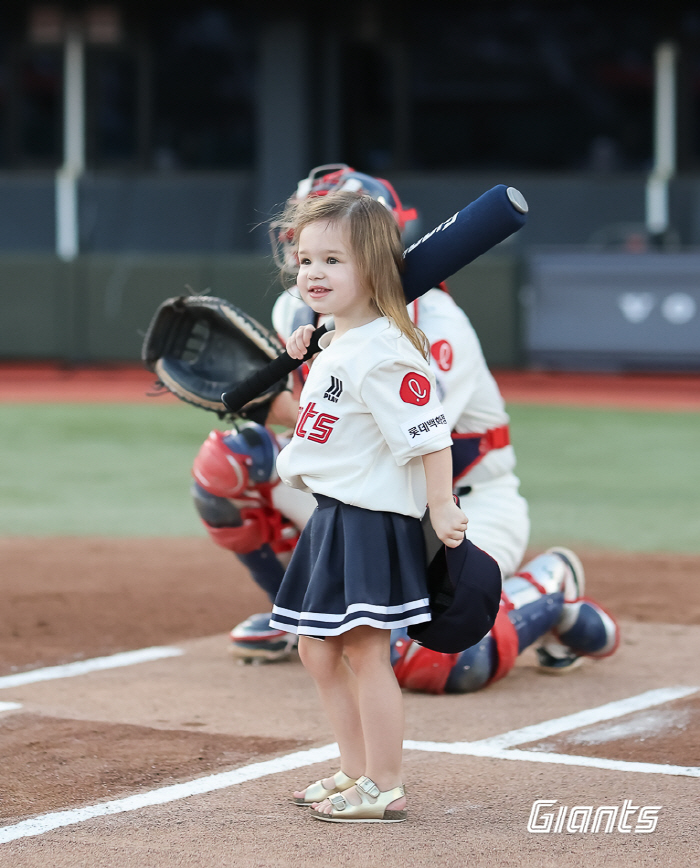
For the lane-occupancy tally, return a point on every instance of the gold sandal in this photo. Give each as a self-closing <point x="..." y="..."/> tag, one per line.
<point x="317" y="792"/>
<point x="372" y="809"/>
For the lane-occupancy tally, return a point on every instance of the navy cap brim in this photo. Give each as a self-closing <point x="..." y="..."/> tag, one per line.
<point x="465" y="591"/>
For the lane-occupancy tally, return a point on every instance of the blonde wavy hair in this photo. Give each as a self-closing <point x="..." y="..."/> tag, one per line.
<point x="375" y="242"/>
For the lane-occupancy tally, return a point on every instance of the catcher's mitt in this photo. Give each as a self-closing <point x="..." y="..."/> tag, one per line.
<point x="200" y="346"/>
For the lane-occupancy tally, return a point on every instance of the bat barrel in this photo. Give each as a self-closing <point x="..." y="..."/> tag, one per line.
<point x="487" y="221"/>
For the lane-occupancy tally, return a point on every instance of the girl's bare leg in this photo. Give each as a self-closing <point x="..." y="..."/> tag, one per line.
<point x="337" y="689"/>
<point x="380" y="710"/>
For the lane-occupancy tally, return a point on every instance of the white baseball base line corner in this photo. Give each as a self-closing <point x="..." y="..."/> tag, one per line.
<point x="496" y="747"/>
<point x="501" y="746"/>
<point x="95" y="664"/>
<point x="82" y="667"/>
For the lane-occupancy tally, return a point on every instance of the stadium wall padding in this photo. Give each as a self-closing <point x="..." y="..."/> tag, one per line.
<point x="98" y="307"/>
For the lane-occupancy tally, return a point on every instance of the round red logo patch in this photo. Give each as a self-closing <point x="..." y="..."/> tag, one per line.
<point x="442" y="353"/>
<point x="415" y="389"/>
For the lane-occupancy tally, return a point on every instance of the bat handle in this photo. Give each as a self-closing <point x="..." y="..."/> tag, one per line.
<point x="235" y="399"/>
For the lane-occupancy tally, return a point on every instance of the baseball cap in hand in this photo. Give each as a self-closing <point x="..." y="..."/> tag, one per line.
<point x="465" y="591"/>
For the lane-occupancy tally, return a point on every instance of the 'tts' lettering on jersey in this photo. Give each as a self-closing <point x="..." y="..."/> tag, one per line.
<point x="322" y="425"/>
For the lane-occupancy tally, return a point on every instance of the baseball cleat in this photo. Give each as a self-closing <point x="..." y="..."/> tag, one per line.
<point x="254" y="641"/>
<point x="575" y="583"/>
<point x="561" y="662"/>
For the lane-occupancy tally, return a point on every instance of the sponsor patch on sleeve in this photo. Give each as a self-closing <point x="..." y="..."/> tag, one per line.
<point x="443" y="355"/>
<point x="415" y="389"/>
<point x="423" y="429"/>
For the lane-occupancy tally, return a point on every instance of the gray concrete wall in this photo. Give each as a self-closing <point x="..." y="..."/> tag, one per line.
<point x="217" y="213"/>
<point x="98" y="307"/>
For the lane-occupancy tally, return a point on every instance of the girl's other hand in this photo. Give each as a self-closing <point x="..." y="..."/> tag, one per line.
<point x="299" y="341"/>
<point x="449" y="523"/>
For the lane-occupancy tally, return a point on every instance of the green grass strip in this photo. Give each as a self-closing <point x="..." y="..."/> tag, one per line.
<point x="612" y="479"/>
<point x="99" y="469"/>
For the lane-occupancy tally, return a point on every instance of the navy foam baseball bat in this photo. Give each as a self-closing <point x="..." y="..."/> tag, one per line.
<point x="456" y="242"/>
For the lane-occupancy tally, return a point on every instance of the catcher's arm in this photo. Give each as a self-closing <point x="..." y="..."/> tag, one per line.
<point x="284" y="409"/>
<point x="487" y="221"/>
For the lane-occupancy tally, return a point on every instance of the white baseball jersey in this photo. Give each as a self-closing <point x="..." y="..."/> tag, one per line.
<point x="466" y="387"/>
<point x="368" y="411"/>
<point x="498" y="514"/>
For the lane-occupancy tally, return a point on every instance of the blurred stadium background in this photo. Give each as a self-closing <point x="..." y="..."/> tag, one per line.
<point x="142" y="144"/>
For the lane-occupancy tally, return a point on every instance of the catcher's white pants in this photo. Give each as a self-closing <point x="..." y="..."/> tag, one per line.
<point x="498" y="520"/>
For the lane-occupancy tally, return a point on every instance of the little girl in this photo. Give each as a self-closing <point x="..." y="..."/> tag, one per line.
<point x="372" y="444"/>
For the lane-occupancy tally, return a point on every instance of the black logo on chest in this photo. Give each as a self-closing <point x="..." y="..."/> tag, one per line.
<point x="334" y="391"/>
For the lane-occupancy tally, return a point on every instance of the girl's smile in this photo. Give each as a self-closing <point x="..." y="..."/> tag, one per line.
<point x="328" y="279"/>
<point x="318" y="291"/>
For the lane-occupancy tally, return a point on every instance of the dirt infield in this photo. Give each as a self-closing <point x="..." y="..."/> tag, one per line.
<point x="106" y="736"/>
<point x="71" y="598"/>
<point x="188" y="758"/>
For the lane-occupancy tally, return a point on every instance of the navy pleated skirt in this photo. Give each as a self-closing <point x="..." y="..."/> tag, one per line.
<point x="353" y="566"/>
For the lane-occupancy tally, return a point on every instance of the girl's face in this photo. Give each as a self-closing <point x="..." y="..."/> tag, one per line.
<point x="328" y="278"/>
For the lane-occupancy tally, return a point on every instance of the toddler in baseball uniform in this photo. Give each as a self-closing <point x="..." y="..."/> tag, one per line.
<point x="373" y="446"/>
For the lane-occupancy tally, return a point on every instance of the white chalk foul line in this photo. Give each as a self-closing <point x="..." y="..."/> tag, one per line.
<point x="587" y="717"/>
<point x="9" y="706"/>
<point x="501" y="746"/>
<point x="600" y="763"/>
<point x="489" y="747"/>
<point x="81" y="667"/>
<point x="48" y="822"/>
<point x="481" y="750"/>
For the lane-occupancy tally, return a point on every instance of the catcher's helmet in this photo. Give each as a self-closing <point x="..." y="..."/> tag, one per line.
<point x="336" y="177"/>
<point x="339" y="176"/>
<point x="230" y="462"/>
